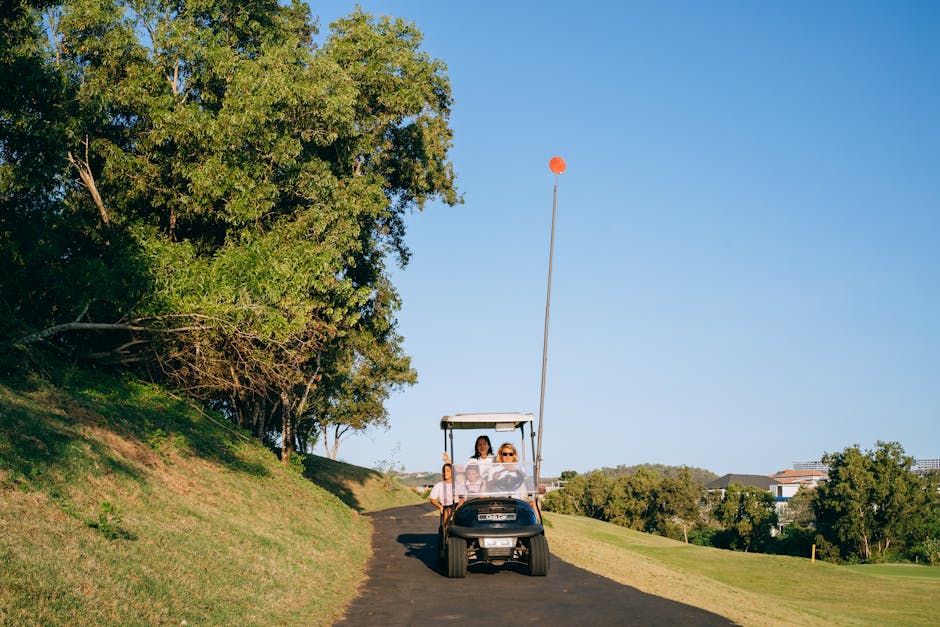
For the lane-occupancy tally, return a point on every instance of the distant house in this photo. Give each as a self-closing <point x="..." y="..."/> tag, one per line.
<point x="926" y="466"/>
<point x="551" y="485"/>
<point x="721" y="484"/>
<point x="785" y="483"/>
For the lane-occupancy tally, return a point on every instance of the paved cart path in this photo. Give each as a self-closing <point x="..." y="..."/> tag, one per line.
<point x="405" y="588"/>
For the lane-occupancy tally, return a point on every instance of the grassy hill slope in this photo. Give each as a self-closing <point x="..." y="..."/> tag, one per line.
<point x="120" y="504"/>
<point x="749" y="588"/>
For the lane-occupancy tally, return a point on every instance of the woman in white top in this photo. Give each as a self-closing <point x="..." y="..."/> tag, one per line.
<point x="482" y="454"/>
<point x="442" y="494"/>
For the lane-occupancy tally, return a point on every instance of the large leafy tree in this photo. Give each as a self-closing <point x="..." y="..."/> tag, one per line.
<point x="872" y="501"/>
<point x="800" y="507"/>
<point x="642" y="499"/>
<point x="51" y="257"/>
<point x="228" y="193"/>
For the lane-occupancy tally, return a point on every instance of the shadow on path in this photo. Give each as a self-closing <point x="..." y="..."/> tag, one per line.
<point x="421" y="546"/>
<point x="404" y="587"/>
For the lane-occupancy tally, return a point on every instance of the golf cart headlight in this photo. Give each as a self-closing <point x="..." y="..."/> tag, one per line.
<point x="498" y="543"/>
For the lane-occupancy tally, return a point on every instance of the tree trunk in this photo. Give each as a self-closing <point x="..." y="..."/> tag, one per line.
<point x="287" y="429"/>
<point x="884" y="550"/>
<point x="336" y="434"/>
<point x="338" y="431"/>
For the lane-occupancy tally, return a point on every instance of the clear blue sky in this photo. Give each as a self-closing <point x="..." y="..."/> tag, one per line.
<point x="747" y="262"/>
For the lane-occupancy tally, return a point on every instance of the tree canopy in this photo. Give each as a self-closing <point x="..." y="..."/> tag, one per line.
<point x="205" y="193"/>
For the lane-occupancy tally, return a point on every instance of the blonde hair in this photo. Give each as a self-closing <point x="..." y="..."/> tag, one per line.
<point x="510" y="446"/>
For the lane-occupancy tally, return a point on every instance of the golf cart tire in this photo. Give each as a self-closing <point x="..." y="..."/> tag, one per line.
<point x="456" y="557"/>
<point x="538" y="556"/>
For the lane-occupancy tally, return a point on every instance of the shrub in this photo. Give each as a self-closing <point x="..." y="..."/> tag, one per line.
<point x="702" y="536"/>
<point x="827" y="551"/>
<point x="794" y="539"/>
<point x="109" y="522"/>
<point x="927" y="552"/>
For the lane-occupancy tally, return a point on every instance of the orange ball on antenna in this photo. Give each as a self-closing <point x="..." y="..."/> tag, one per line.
<point x="557" y="165"/>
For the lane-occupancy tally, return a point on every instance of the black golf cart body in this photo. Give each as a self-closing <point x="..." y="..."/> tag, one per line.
<point x="497" y="518"/>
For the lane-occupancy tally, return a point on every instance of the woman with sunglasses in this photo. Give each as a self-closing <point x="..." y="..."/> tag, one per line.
<point x="508" y="475"/>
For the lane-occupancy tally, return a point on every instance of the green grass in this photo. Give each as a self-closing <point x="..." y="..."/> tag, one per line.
<point x="120" y="504"/>
<point x="749" y="588"/>
<point x="892" y="571"/>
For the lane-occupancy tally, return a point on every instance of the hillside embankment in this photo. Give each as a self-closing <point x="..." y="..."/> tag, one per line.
<point x="123" y="504"/>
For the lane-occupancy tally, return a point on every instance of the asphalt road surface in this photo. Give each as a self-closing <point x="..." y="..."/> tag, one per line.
<point x="404" y="587"/>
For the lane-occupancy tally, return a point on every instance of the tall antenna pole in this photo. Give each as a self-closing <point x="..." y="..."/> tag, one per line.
<point x="557" y="165"/>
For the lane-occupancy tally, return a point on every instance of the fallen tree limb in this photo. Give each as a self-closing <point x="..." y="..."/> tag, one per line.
<point x="70" y="327"/>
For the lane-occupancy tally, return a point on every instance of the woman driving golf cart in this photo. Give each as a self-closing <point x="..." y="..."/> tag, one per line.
<point x="508" y="477"/>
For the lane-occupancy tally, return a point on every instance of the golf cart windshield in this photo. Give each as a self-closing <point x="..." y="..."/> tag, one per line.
<point x="515" y="480"/>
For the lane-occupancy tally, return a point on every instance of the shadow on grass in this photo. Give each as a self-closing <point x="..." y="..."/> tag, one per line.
<point x="336" y="477"/>
<point x="40" y="432"/>
<point x="147" y="413"/>
<point x="36" y="442"/>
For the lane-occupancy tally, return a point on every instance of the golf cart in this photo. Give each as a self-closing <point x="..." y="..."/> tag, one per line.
<point x="497" y="519"/>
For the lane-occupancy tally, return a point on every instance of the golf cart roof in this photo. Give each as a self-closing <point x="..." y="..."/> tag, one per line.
<point x="500" y="422"/>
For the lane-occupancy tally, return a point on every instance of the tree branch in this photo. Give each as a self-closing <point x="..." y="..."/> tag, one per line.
<point x="69" y="327"/>
<point x="88" y="180"/>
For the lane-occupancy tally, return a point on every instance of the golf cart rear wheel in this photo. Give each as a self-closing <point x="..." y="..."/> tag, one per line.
<point x="538" y="556"/>
<point x="456" y="557"/>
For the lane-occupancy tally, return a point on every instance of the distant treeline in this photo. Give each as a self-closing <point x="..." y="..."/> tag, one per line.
<point x="872" y="508"/>
<point x="699" y="475"/>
